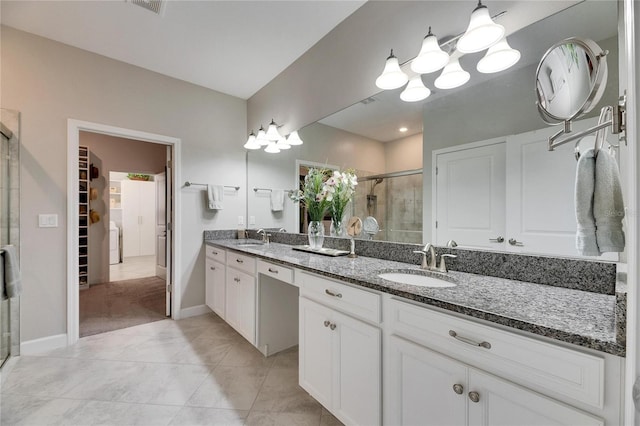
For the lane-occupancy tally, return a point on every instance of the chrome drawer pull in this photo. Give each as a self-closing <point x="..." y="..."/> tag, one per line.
<point x="237" y="280"/>
<point x="497" y="240"/>
<point x="513" y="242"/>
<point x="239" y="260"/>
<point x="215" y="253"/>
<point x="273" y="271"/>
<point x="485" y="345"/>
<point x="212" y="268"/>
<point x="330" y="293"/>
<point x="457" y="388"/>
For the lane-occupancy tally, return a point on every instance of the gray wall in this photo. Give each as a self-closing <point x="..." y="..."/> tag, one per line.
<point x="48" y="83"/>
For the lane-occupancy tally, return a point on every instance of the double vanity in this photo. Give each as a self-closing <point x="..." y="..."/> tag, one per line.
<point x="385" y="342"/>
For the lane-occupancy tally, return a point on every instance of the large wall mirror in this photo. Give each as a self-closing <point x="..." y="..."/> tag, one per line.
<point x="396" y="146"/>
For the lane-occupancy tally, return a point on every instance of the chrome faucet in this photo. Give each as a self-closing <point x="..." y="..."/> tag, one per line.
<point x="265" y="236"/>
<point x="431" y="264"/>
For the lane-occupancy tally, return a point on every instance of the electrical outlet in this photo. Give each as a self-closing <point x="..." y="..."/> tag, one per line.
<point x="48" y="220"/>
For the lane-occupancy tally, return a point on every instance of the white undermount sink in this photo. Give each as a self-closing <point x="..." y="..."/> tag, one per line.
<point x="417" y="280"/>
<point x="250" y="244"/>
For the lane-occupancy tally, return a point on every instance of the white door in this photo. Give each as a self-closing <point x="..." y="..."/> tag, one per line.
<point x="147" y="221"/>
<point x="540" y="193"/>
<point x="130" y="219"/>
<point x="501" y="403"/>
<point x="161" y="225"/>
<point x="423" y="387"/>
<point x="470" y="197"/>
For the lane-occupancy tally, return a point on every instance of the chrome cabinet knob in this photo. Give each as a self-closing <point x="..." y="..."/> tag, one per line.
<point x="474" y="396"/>
<point x="513" y="242"/>
<point x="327" y="323"/>
<point x="500" y="239"/>
<point x="332" y="326"/>
<point x="458" y="388"/>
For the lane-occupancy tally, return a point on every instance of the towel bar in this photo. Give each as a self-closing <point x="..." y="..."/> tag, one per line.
<point x="187" y="183"/>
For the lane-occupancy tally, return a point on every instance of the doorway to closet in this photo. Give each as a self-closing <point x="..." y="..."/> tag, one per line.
<point x="127" y="253"/>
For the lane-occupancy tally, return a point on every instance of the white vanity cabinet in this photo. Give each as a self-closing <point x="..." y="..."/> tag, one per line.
<point x="340" y="355"/>
<point x="441" y="369"/>
<point x="240" y="295"/>
<point x="215" y="280"/>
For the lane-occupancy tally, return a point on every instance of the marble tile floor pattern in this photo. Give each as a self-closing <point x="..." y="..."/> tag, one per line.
<point x="133" y="267"/>
<point x="196" y="371"/>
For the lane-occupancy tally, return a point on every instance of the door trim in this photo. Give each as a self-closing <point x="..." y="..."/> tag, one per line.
<point x="73" y="141"/>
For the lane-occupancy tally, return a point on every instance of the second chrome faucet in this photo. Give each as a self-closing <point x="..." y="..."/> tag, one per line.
<point x="430" y="265"/>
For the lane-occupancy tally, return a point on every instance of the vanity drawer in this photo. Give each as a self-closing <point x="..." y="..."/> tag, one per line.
<point x="279" y="272"/>
<point x="215" y="253"/>
<point x="351" y="300"/>
<point x="546" y="367"/>
<point x="242" y="262"/>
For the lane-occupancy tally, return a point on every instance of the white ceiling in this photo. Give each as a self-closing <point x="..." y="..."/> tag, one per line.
<point x="235" y="47"/>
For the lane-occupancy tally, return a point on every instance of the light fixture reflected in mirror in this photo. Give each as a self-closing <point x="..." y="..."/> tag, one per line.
<point x="431" y="57"/>
<point x="499" y="57"/>
<point x="262" y="137"/>
<point x="272" y="148"/>
<point x="252" y="143"/>
<point x="282" y="143"/>
<point x="452" y="76"/>
<point x="481" y="33"/>
<point x="272" y="132"/>
<point x="392" y="76"/>
<point x="415" y="90"/>
<point x="294" y="139"/>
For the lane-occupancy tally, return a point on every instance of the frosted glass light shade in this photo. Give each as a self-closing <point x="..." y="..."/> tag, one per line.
<point x="272" y="132"/>
<point x="392" y="76"/>
<point x="294" y="139"/>
<point x="499" y="57"/>
<point x="262" y="137"/>
<point x="252" y="143"/>
<point x="481" y="33"/>
<point x="415" y="91"/>
<point x="431" y="58"/>
<point x="452" y="76"/>
<point x="272" y="148"/>
<point x="282" y="143"/>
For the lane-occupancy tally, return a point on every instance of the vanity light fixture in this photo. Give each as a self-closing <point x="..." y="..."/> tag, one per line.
<point x="392" y="76"/>
<point x="262" y="137"/>
<point x="272" y="132"/>
<point x="415" y="90"/>
<point x="272" y="148"/>
<point x="294" y="139"/>
<point x="481" y="33"/>
<point x="431" y="57"/>
<point x="252" y="143"/>
<point x="499" y="57"/>
<point x="452" y="76"/>
<point x="282" y="143"/>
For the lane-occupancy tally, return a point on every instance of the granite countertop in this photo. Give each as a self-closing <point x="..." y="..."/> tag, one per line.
<point x="579" y="317"/>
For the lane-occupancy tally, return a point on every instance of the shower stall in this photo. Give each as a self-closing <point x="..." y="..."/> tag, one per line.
<point x="9" y="225"/>
<point x="394" y="200"/>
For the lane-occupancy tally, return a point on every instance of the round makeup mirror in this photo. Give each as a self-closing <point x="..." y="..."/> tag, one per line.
<point x="570" y="79"/>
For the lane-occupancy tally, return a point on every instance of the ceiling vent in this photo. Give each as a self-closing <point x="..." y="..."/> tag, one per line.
<point x="154" y="6"/>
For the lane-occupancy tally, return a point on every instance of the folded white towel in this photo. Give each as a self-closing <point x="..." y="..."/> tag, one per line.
<point x="12" y="282"/>
<point x="586" y="242"/>
<point x="608" y="204"/>
<point x="215" y="195"/>
<point x="277" y="200"/>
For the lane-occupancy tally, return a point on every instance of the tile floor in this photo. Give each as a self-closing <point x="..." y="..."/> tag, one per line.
<point x="196" y="371"/>
<point x="133" y="267"/>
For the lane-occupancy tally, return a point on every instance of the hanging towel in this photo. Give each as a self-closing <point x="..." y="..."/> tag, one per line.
<point x="215" y="194"/>
<point x="608" y="205"/>
<point x="277" y="200"/>
<point x="585" y="185"/>
<point x="12" y="283"/>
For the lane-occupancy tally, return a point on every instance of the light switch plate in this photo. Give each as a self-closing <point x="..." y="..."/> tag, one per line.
<point x="252" y="220"/>
<point x="240" y="220"/>
<point x="48" y="220"/>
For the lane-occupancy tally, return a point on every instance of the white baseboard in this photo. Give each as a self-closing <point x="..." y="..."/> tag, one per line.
<point x="37" y="346"/>
<point x="194" y="311"/>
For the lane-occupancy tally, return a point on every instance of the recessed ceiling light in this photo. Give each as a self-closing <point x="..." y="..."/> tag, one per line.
<point x="402" y="129"/>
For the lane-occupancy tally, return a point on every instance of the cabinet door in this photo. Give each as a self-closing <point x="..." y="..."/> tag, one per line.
<point x="357" y="393"/>
<point x="501" y="403"/>
<point x="240" y="303"/>
<point x="470" y="197"/>
<point x="215" y="286"/>
<point x="316" y="354"/>
<point x="420" y="386"/>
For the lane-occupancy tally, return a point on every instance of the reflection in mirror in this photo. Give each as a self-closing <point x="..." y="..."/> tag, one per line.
<point x="366" y="137"/>
<point x="569" y="79"/>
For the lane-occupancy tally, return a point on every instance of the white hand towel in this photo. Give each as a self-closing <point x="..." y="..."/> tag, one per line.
<point x="608" y="205"/>
<point x="215" y="196"/>
<point x="277" y="200"/>
<point x="12" y="281"/>
<point x="585" y="186"/>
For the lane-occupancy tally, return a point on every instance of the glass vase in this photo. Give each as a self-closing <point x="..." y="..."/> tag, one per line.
<point x="315" y="232"/>
<point x="337" y="228"/>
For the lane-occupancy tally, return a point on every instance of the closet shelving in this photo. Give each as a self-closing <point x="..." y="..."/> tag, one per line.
<point x="83" y="217"/>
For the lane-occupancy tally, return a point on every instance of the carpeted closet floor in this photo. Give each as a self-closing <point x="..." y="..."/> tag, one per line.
<point x="121" y="304"/>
